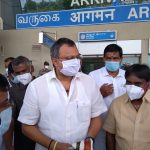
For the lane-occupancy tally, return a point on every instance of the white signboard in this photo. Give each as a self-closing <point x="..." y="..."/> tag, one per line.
<point x="97" y="48"/>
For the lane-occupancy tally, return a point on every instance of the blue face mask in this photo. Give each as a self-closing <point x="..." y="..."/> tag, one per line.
<point x="5" y="117"/>
<point x="112" y="65"/>
<point x="15" y="80"/>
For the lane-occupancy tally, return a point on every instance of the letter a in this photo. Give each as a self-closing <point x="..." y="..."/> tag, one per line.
<point x="132" y="13"/>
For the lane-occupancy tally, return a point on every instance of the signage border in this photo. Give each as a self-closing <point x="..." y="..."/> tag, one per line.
<point x="86" y="40"/>
<point x="68" y="13"/>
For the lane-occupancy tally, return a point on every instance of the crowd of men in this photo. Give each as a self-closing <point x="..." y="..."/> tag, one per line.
<point x="65" y="109"/>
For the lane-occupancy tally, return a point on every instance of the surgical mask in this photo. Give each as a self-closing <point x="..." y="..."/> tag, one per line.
<point x="6" y="70"/>
<point x="70" y="67"/>
<point x="24" y="78"/>
<point x="112" y="65"/>
<point x="46" y="67"/>
<point x="15" y="80"/>
<point x="5" y="117"/>
<point x="134" y="92"/>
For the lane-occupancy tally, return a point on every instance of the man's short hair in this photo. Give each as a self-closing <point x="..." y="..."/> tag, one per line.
<point x="56" y="46"/>
<point x="20" y="60"/>
<point x="4" y="85"/>
<point x="139" y="70"/>
<point x="9" y="59"/>
<point x="113" y="48"/>
<point x="46" y="63"/>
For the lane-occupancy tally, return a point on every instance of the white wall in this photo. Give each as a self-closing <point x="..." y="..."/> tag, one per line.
<point x="23" y="42"/>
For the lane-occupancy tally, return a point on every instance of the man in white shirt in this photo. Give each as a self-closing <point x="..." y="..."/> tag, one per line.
<point x="111" y="81"/>
<point x="62" y="107"/>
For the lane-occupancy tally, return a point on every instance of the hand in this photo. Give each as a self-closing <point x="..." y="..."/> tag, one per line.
<point x="106" y="89"/>
<point x="63" y="146"/>
<point x="4" y="104"/>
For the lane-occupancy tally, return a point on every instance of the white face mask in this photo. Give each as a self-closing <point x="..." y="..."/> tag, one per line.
<point x="24" y="78"/>
<point x="70" y="67"/>
<point x="134" y="92"/>
<point x="46" y="67"/>
<point x="5" y="116"/>
<point x="6" y="71"/>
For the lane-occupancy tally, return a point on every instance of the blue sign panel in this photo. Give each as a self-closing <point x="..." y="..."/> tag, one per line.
<point x="48" y="41"/>
<point x="88" y="16"/>
<point x="97" y="36"/>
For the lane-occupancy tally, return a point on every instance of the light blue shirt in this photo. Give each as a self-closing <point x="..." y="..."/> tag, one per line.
<point x="5" y="117"/>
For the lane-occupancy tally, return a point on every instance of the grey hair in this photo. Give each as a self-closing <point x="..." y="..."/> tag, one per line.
<point x="21" y="60"/>
<point x="56" y="46"/>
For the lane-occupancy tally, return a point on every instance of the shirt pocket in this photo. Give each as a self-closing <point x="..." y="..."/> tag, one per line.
<point x="84" y="111"/>
<point x="144" y="123"/>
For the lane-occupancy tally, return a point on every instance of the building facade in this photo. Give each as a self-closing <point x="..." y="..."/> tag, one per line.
<point x="132" y="36"/>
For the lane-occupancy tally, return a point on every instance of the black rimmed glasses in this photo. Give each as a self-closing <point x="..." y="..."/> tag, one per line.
<point x="72" y="57"/>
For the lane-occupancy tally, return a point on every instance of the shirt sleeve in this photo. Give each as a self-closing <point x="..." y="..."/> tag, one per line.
<point x="30" y="112"/>
<point x="110" y="123"/>
<point x="98" y="104"/>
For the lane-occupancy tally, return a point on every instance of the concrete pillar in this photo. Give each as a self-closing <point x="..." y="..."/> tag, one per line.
<point x="144" y="49"/>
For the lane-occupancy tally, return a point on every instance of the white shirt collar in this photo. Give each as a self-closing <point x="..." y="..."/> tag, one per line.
<point x="53" y="75"/>
<point x="121" y="72"/>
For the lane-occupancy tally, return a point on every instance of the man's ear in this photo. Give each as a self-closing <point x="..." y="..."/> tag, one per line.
<point x="121" y="60"/>
<point x="29" y="68"/>
<point x="55" y="62"/>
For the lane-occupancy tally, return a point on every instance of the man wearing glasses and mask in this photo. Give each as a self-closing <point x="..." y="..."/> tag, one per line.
<point x="22" y="77"/>
<point x="61" y="108"/>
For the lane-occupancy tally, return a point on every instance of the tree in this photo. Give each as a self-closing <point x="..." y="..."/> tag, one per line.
<point x="66" y="4"/>
<point x="30" y="6"/>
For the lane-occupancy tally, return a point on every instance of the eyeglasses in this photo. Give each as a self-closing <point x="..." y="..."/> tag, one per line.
<point x="68" y="58"/>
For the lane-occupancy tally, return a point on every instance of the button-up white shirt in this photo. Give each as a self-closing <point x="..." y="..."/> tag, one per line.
<point x="101" y="76"/>
<point x="64" y="118"/>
